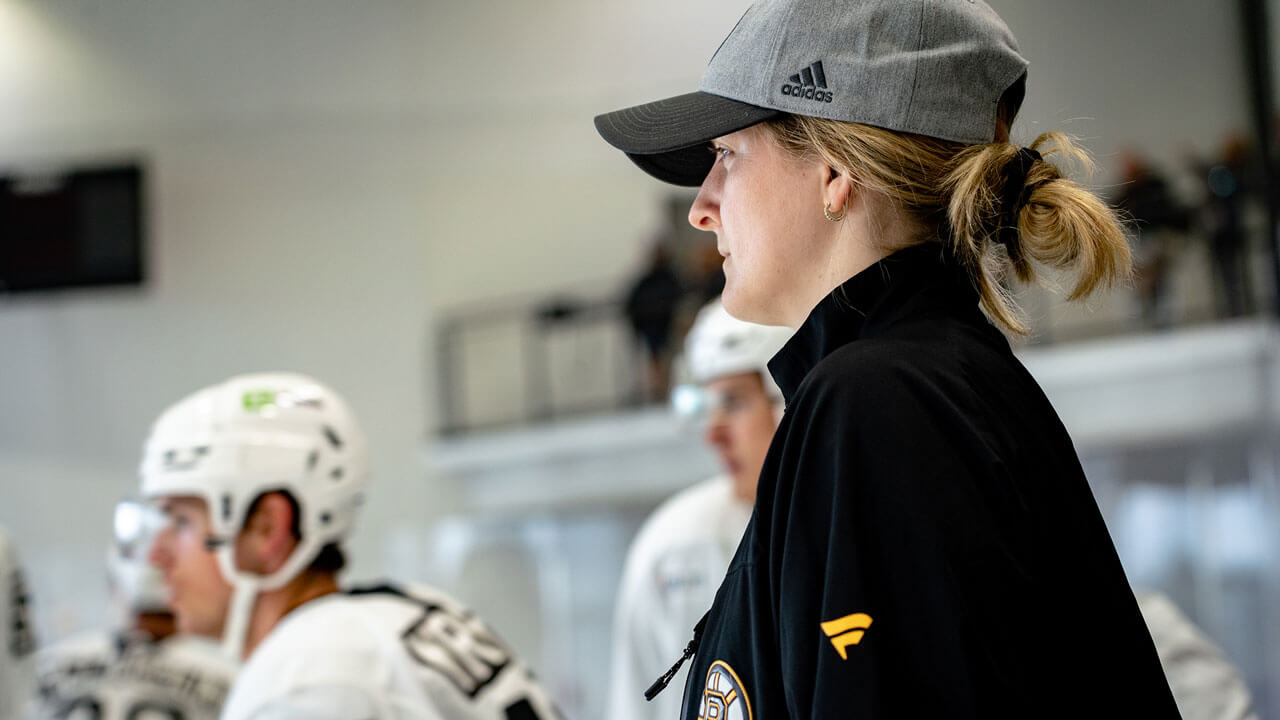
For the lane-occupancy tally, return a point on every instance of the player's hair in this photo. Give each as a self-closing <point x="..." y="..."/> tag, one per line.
<point x="329" y="561"/>
<point x="955" y="192"/>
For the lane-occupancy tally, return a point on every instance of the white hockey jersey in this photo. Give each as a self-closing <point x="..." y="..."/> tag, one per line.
<point x="388" y="652"/>
<point x="1205" y="684"/>
<point x="17" y="643"/>
<point x="674" y="567"/>
<point x="111" y="677"/>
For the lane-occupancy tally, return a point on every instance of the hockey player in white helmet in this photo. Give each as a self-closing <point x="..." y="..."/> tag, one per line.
<point x="680" y="555"/>
<point x="261" y="477"/>
<point x="17" y="640"/>
<point x="140" y="668"/>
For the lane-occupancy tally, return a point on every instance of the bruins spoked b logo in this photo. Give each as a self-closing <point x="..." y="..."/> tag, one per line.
<point x="724" y="697"/>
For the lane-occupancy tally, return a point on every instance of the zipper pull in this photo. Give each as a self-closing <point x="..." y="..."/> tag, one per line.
<point x="661" y="683"/>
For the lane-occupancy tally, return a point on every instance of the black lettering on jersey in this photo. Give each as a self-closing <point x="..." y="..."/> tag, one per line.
<point x="87" y="707"/>
<point x="147" y="710"/>
<point x="459" y="647"/>
<point x="456" y="645"/>
<point x="72" y="685"/>
<point x="521" y="710"/>
<point x="22" y="640"/>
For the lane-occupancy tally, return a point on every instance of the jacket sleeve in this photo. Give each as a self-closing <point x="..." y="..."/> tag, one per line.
<point x="867" y="545"/>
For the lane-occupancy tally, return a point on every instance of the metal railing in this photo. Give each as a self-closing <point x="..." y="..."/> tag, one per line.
<point x="517" y="363"/>
<point x="522" y="361"/>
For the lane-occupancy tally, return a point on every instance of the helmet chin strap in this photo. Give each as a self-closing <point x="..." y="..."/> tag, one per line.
<point x="246" y="587"/>
<point x="235" y="629"/>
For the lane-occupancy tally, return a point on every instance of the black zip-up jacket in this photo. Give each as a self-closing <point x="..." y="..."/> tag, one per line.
<point x="924" y="542"/>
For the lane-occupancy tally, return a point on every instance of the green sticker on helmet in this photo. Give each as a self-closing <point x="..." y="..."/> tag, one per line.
<point x="256" y="400"/>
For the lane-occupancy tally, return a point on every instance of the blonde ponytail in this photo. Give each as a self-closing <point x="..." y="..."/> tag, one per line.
<point x="1060" y="225"/>
<point x="958" y="192"/>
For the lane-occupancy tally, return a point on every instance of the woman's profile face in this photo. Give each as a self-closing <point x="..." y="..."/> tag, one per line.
<point x="765" y="207"/>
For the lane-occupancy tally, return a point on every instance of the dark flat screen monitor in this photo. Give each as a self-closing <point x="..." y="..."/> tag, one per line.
<point x="80" y="228"/>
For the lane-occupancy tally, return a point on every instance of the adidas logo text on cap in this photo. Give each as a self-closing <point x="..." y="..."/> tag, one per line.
<point x="810" y="84"/>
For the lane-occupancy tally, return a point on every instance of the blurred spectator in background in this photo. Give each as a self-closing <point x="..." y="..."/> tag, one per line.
<point x="17" y="642"/>
<point x="140" y="668"/>
<point x="1205" y="684"/>
<point x="650" y="306"/>
<point x="1229" y="182"/>
<point x="1158" y="219"/>
<point x="708" y="268"/>
<point x="680" y="555"/>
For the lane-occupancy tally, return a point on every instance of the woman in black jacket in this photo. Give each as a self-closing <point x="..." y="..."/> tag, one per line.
<point x="924" y="542"/>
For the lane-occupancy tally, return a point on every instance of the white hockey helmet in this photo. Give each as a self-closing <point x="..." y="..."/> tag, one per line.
<point x="232" y="442"/>
<point x="719" y="344"/>
<point x="253" y="434"/>
<point x="135" y="583"/>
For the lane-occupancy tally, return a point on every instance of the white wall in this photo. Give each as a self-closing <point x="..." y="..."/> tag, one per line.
<point x="327" y="178"/>
<point x="287" y="232"/>
<point x="1165" y="78"/>
<point x="322" y="175"/>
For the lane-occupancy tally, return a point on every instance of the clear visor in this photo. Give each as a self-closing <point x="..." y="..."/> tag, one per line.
<point x="699" y="406"/>
<point x="136" y="585"/>
<point x="696" y="406"/>
<point x="137" y="523"/>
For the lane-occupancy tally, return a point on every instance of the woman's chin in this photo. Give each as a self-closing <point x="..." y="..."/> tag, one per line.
<point x="749" y="307"/>
<point x="735" y="304"/>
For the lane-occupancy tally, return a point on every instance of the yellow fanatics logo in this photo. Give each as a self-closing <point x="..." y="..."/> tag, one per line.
<point x="724" y="697"/>
<point x="846" y="631"/>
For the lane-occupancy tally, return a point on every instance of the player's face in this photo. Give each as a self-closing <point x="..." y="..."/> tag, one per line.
<point x="741" y="426"/>
<point x="198" y="593"/>
<point x="765" y="207"/>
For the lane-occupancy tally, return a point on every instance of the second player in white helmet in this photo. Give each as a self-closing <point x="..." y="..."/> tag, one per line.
<point x="140" y="667"/>
<point x="680" y="555"/>
<point x="261" y="477"/>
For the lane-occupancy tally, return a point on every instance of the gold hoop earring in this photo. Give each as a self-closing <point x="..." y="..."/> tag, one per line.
<point x="826" y="211"/>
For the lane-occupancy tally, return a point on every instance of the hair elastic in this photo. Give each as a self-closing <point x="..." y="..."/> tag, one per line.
<point x="1016" y="193"/>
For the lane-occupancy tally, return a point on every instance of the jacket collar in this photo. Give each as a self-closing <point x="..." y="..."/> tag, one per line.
<point x="921" y="279"/>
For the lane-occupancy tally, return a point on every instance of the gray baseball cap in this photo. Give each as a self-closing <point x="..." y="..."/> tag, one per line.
<point x="931" y="67"/>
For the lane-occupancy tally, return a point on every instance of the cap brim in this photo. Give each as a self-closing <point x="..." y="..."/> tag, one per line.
<point x="668" y="138"/>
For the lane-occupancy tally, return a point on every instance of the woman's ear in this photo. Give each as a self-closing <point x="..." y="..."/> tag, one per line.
<point x="837" y="191"/>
